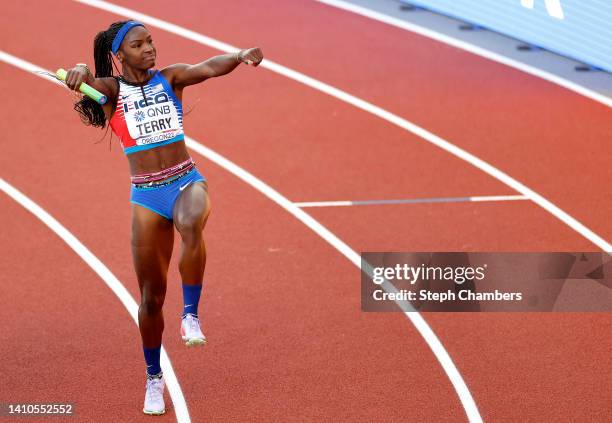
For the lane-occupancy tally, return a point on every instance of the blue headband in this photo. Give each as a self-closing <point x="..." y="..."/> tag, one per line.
<point x="121" y="34"/>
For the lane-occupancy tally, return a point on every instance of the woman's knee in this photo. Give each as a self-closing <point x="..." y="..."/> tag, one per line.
<point x="191" y="235"/>
<point x="152" y="303"/>
<point x="190" y="227"/>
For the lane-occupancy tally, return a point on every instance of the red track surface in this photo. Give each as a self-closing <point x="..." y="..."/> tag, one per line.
<point x="280" y="306"/>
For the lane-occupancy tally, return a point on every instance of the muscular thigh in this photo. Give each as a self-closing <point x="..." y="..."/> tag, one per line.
<point x="152" y="241"/>
<point x="193" y="205"/>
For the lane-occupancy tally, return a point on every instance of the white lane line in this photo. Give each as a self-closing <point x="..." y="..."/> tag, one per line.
<point x="370" y="108"/>
<point x="346" y="203"/>
<point x="180" y="407"/>
<point x="474" y="49"/>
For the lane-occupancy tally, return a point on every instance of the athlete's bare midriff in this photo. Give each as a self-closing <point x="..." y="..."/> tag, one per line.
<point x="158" y="158"/>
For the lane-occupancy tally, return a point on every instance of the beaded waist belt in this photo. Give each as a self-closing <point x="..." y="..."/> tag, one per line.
<point x="158" y="184"/>
<point x="146" y="178"/>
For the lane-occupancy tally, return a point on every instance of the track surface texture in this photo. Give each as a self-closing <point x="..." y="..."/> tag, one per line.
<point x="280" y="306"/>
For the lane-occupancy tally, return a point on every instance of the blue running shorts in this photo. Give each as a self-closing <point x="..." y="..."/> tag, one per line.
<point x="161" y="199"/>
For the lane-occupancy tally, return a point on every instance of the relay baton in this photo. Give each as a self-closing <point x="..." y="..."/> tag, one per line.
<point x="84" y="88"/>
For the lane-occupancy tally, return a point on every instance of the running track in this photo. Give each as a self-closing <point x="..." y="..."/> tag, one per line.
<point x="281" y="306"/>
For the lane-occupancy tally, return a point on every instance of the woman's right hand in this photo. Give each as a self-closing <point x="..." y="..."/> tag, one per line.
<point x="75" y="76"/>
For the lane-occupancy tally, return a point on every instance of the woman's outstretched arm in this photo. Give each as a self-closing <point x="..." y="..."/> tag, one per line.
<point x="183" y="74"/>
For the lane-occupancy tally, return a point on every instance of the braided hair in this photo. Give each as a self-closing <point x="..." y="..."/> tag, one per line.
<point x="91" y="112"/>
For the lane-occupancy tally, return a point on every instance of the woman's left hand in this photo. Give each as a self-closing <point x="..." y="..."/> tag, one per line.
<point x="251" y="56"/>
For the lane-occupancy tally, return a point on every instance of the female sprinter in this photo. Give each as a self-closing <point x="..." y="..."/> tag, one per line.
<point x="145" y="111"/>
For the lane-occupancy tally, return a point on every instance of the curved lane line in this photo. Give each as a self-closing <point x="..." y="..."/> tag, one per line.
<point x="370" y="108"/>
<point x="472" y="48"/>
<point x="180" y="407"/>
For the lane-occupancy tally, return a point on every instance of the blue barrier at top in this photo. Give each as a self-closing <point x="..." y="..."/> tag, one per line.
<point x="580" y="29"/>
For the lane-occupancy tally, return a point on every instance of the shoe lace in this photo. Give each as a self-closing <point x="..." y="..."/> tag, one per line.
<point x="154" y="389"/>
<point x="194" y="323"/>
